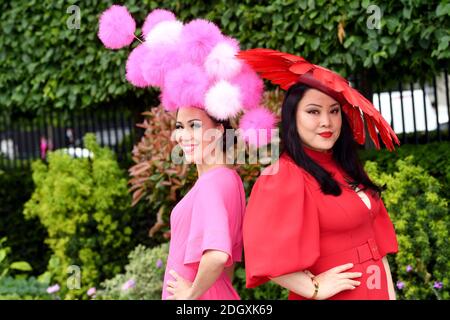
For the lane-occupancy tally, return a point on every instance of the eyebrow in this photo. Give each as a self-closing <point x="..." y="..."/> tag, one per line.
<point x="192" y="120"/>
<point x="318" y="105"/>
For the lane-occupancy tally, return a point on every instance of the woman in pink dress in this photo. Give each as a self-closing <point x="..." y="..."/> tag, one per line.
<point x="206" y="225"/>
<point x="196" y="68"/>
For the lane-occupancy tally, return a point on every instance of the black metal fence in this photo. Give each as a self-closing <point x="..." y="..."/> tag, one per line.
<point x="418" y="113"/>
<point x="23" y="140"/>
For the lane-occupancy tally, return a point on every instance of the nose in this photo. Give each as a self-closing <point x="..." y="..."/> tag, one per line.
<point x="183" y="135"/>
<point x="325" y="120"/>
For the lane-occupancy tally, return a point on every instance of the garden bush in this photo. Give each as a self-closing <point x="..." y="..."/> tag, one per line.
<point x="143" y="277"/>
<point x="422" y="222"/>
<point x="25" y="237"/>
<point x="83" y="205"/>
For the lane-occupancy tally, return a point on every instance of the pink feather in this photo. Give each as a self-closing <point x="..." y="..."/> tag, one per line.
<point x="158" y="61"/>
<point x="155" y="17"/>
<point x="116" y="27"/>
<point x="134" y="66"/>
<point x="221" y="62"/>
<point x="251" y="124"/>
<point x="251" y="87"/>
<point x="184" y="86"/>
<point x="198" y="38"/>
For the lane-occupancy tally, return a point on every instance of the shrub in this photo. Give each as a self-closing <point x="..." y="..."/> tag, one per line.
<point x="145" y="270"/>
<point x="25" y="237"/>
<point x="422" y="223"/>
<point x="83" y="205"/>
<point x="23" y="289"/>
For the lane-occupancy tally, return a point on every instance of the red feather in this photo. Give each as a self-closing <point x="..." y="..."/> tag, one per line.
<point x="372" y="132"/>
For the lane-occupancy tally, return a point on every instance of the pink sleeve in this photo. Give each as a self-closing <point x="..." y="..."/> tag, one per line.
<point x="211" y="223"/>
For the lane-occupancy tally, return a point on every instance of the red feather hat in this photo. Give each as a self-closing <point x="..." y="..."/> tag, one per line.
<point x="285" y="69"/>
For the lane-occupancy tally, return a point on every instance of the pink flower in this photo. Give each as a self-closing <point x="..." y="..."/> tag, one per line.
<point x="91" y="291"/>
<point x="409" y="268"/>
<point x="400" y="285"/>
<point x="128" y="285"/>
<point x="437" y="285"/>
<point x="53" y="289"/>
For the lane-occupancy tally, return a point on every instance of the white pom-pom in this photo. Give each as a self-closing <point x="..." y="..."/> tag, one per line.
<point x="221" y="62"/>
<point x="223" y="100"/>
<point x="165" y="32"/>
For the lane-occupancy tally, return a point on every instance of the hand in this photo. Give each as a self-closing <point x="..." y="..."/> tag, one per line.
<point x="335" y="280"/>
<point x="181" y="289"/>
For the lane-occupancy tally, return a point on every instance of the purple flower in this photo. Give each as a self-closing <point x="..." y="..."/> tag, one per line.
<point x="53" y="289"/>
<point x="91" y="291"/>
<point x="437" y="285"/>
<point x="409" y="268"/>
<point x="128" y="285"/>
<point x="159" y="263"/>
<point x="400" y="285"/>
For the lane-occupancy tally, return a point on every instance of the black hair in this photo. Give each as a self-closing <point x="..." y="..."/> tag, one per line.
<point x="344" y="150"/>
<point x="229" y="137"/>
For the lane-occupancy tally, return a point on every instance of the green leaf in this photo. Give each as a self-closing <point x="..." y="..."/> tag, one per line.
<point x="315" y="43"/>
<point x="2" y="255"/>
<point x="21" y="265"/>
<point x="407" y="12"/>
<point x="443" y="9"/>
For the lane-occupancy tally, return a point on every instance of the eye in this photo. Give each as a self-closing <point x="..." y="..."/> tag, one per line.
<point x="313" y="112"/>
<point x="336" y="111"/>
<point x="178" y="126"/>
<point x="196" y="125"/>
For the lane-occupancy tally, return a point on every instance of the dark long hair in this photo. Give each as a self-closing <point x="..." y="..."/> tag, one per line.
<point x="344" y="150"/>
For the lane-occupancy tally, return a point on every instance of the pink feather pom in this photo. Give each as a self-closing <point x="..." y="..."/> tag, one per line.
<point x="164" y="33"/>
<point x="223" y="100"/>
<point x="184" y="86"/>
<point x="221" y="62"/>
<point x="116" y="27"/>
<point x="158" y="61"/>
<point x="134" y="66"/>
<point x="256" y="126"/>
<point x="155" y="17"/>
<point x="251" y="87"/>
<point x="198" y="38"/>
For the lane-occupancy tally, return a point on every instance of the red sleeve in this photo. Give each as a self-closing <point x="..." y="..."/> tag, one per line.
<point x="384" y="231"/>
<point x="281" y="225"/>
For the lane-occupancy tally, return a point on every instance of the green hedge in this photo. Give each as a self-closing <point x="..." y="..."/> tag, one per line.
<point x="422" y="223"/>
<point x="85" y="206"/>
<point x="48" y="64"/>
<point x="25" y="237"/>
<point x="433" y="157"/>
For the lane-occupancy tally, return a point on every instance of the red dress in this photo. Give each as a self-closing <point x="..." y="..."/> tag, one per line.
<point x="290" y="226"/>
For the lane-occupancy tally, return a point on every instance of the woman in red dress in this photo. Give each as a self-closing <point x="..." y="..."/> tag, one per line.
<point x="315" y="222"/>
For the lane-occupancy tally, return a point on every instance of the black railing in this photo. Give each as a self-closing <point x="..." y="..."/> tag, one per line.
<point x="418" y="113"/>
<point x="23" y="140"/>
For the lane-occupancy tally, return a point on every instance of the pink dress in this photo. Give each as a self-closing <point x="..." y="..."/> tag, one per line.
<point x="209" y="217"/>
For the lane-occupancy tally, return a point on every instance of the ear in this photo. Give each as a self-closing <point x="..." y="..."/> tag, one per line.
<point x="221" y="128"/>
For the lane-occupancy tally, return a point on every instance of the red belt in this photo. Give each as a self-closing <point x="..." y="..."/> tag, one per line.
<point x="356" y="255"/>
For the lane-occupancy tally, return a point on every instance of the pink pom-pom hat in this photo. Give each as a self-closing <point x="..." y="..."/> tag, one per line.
<point x="194" y="65"/>
<point x="116" y="27"/>
<point x="155" y="17"/>
<point x="256" y="126"/>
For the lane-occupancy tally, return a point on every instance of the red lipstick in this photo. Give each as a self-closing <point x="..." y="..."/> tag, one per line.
<point x="326" y="134"/>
